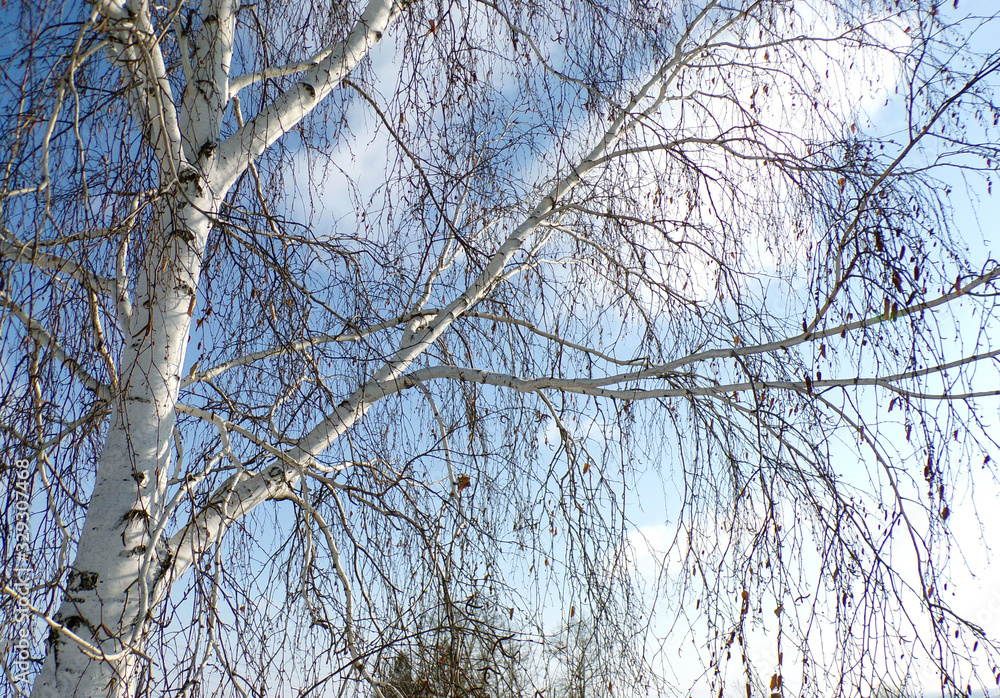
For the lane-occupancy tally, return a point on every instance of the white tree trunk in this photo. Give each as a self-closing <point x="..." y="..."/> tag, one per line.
<point x="108" y="597"/>
<point x="105" y="603"/>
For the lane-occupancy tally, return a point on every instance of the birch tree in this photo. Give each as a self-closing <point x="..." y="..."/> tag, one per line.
<point x="316" y="318"/>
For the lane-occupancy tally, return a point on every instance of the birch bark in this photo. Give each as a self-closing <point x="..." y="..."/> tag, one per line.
<point x="107" y="598"/>
<point x="103" y="592"/>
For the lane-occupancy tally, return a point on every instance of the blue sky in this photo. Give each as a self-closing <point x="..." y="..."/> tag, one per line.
<point x="652" y="502"/>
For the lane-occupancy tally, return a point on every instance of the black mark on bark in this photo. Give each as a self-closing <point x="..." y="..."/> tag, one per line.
<point x="207" y="150"/>
<point x="184" y="234"/>
<point x="80" y="580"/>
<point x="133" y="515"/>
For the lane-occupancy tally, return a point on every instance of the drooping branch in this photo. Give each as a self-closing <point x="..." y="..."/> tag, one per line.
<point x="354" y="335"/>
<point x="649" y="371"/>
<point x="243" y="492"/>
<point x="38" y="333"/>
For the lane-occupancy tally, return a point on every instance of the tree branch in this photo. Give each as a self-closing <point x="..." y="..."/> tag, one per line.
<point x="597" y="387"/>
<point x="247" y="144"/>
<point x="26" y="253"/>
<point x="135" y="49"/>
<point x="245" y="491"/>
<point x="732" y="352"/>
<point x="207" y="92"/>
<point x="43" y="337"/>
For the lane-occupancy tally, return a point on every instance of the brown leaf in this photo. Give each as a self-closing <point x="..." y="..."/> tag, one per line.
<point x="463" y="482"/>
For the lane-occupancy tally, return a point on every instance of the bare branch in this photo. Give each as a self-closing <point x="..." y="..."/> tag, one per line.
<point x="27" y="253"/>
<point x="246" y="145"/>
<point x="43" y="337"/>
